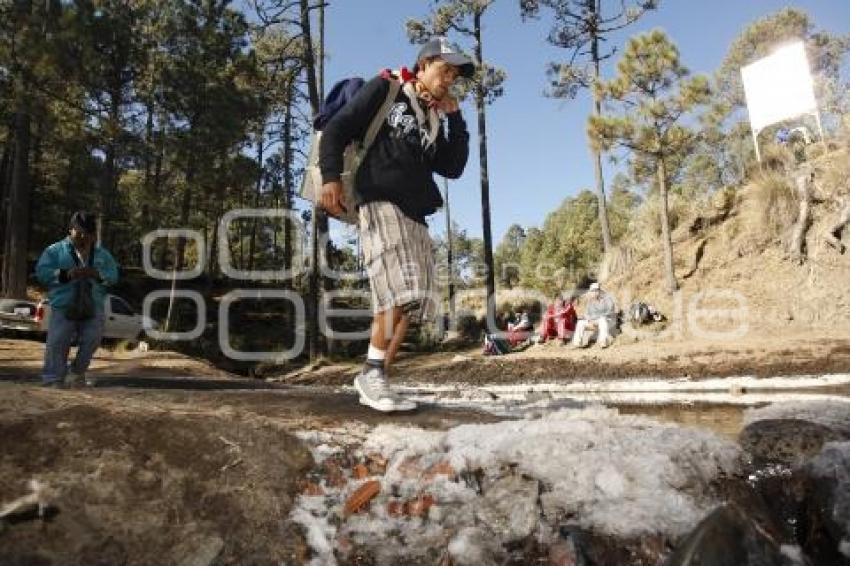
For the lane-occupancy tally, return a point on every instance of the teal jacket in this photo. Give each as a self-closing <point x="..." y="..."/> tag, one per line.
<point x="59" y="257"/>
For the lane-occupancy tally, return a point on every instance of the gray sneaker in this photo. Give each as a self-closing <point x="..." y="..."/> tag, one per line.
<point x="374" y="392"/>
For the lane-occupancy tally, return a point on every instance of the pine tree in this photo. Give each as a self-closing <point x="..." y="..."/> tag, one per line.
<point x="581" y="27"/>
<point x="654" y="95"/>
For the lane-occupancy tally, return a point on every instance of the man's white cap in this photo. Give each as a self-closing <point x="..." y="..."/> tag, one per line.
<point x="594" y="287"/>
<point x="451" y="54"/>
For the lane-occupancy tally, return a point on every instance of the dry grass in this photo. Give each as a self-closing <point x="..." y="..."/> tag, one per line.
<point x="777" y="158"/>
<point x="775" y="202"/>
<point x="643" y="237"/>
<point x="833" y="173"/>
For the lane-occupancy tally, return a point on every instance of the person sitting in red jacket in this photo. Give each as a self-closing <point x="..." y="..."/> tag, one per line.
<point x="559" y="321"/>
<point x="548" y="327"/>
<point x="565" y="319"/>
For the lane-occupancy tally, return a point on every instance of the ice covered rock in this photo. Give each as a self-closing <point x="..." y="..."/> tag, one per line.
<point x="826" y="519"/>
<point x="789" y="441"/>
<point x="728" y="537"/>
<point x="509" y="508"/>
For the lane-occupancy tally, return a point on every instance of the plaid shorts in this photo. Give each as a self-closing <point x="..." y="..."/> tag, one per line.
<point x="399" y="260"/>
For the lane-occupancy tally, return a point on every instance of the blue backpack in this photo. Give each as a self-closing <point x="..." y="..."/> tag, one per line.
<point x="337" y="98"/>
<point x="339" y="95"/>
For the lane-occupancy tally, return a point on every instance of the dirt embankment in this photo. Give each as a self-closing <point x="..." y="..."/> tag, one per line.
<point x="129" y="484"/>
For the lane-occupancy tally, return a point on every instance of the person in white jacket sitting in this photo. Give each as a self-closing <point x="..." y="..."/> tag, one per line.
<point x="599" y="322"/>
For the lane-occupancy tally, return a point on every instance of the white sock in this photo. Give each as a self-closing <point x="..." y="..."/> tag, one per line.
<point x="375" y="356"/>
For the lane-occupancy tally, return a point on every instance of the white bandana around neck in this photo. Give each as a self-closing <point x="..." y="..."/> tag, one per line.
<point x="429" y="127"/>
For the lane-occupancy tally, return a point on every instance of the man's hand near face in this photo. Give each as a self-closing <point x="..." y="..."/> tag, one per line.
<point x="448" y="104"/>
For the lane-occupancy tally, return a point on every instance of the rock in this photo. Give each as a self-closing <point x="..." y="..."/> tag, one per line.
<point x="786" y="441"/>
<point x="360" y="472"/>
<point x="334" y="476"/>
<point x="509" y="508"/>
<point x="825" y="522"/>
<point x="312" y="489"/>
<point x="570" y="548"/>
<point x="440" y="468"/>
<point x="395" y="508"/>
<point x="377" y="464"/>
<point x="419" y="506"/>
<point x="772" y="498"/>
<point x="564" y="553"/>
<point x="727" y="537"/>
<point x="361" y="496"/>
<point x="409" y="468"/>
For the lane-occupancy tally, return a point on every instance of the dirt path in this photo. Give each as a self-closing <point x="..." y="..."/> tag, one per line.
<point x="764" y="356"/>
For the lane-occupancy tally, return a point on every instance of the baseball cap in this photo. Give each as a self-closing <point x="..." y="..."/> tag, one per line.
<point x="451" y="54"/>
<point x="85" y="221"/>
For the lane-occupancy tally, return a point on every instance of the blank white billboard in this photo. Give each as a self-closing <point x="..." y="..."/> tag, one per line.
<point x="779" y="87"/>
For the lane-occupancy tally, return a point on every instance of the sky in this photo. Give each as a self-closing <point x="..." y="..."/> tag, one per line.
<point x="537" y="146"/>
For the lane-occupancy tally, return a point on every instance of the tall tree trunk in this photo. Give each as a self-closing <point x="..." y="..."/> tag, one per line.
<point x="110" y="181"/>
<point x="185" y="209"/>
<point x="159" y="159"/>
<point x="666" y="238"/>
<point x="5" y="185"/>
<point x="594" y="149"/>
<point x="319" y="219"/>
<point x="489" y="276"/>
<point x="257" y="190"/>
<point x="449" y="258"/>
<point x="310" y="59"/>
<point x="14" y="274"/>
<point x="70" y="174"/>
<point x="148" y="153"/>
<point x="287" y="182"/>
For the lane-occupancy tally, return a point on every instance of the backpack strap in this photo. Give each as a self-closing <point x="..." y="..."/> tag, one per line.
<point x="381" y="115"/>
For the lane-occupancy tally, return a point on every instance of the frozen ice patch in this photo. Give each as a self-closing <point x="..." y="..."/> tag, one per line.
<point x="621" y="475"/>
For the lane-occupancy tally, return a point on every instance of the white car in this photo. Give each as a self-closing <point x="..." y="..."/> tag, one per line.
<point x="121" y="322"/>
<point x="18" y="315"/>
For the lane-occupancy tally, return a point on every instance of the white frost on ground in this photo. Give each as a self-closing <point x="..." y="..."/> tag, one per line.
<point x="515" y="400"/>
<point x="746" y="382"/>
<point x="834" y="414"/>
<point x="328" y="442"/>
<point x="616" y="474"/>
<point x="311" y="513"/>
<point x="620" y="475"/>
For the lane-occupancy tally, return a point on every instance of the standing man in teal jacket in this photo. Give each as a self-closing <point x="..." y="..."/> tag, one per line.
<point x="76" y="272"/>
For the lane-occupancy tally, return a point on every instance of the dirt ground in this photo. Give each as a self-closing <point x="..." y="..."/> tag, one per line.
<point x="170" y="460"/>
<point x="795" y="354"/>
